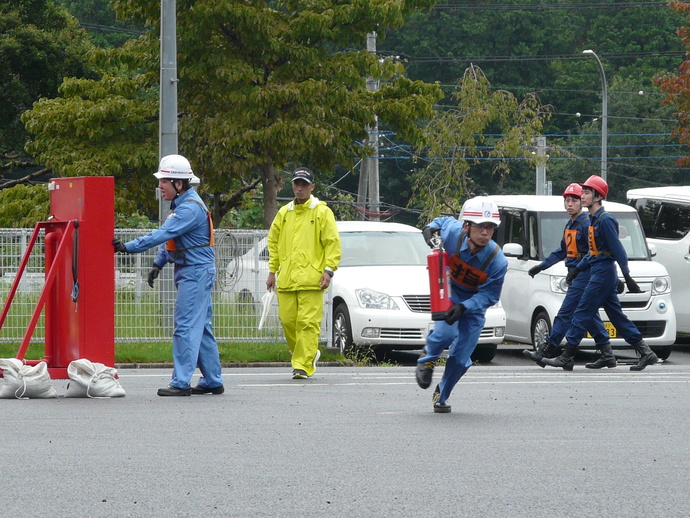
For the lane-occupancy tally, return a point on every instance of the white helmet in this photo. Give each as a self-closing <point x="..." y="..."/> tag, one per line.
<point x="175" y="167"/>
<point x="481" y="209"/>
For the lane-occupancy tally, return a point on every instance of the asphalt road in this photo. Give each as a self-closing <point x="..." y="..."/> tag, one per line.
<point x="358" y="442"/>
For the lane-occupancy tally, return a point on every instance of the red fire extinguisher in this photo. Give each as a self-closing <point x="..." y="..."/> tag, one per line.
<point x="439" y="282"/>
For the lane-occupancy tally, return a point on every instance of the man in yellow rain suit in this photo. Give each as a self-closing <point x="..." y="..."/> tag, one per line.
<point x="304" y="251"/>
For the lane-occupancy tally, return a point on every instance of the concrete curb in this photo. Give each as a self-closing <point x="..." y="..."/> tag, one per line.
<point x="230" y="365"/>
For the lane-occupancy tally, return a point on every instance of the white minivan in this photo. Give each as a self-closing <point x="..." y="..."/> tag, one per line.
<point x="665" y="216"/>
<point x="531" y="228"/>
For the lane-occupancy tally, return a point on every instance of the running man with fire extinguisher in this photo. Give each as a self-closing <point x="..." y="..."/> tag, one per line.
<point x="477" y="270"/>
<point x="574" y="246"/>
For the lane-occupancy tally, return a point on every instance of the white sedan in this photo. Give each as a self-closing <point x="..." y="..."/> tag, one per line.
<point x="380" y="293"/>
<point x="379" y="296"/>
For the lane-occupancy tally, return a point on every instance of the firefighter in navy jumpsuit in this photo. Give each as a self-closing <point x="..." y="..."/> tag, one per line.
<point x="605" y="249"/>
<point x="477" y="271"/>
<point x="186" y="240"/>
<point x="574" y="246"/>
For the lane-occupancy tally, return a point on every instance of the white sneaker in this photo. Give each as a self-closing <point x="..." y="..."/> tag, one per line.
<point x="316" y="357"/>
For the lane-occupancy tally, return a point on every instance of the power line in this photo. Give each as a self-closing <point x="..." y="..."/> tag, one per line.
<point x="549" y="7"/>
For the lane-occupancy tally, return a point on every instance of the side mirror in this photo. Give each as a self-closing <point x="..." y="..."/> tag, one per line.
<point x="512" y="250"/>
<point x="652" y="249"/>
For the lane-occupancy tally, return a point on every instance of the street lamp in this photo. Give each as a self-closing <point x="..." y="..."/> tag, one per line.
<point x="604" y="112"/>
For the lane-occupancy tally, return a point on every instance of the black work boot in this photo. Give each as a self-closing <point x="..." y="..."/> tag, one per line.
<point x="543" y="350"/>
<point x="607" y="359"/>
<point x="566" y="360"/>
<point x="647" y="357"/>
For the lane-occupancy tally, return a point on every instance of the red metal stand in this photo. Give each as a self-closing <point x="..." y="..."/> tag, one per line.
<point x="79" y="291"/>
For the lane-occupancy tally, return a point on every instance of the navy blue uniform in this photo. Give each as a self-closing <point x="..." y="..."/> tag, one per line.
<point x="605" y="249"/>
<point x="573" y="248"/>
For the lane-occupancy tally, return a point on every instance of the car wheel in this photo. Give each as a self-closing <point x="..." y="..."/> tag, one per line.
<point x="662" y="351"/>
<point x="484" y="353"/>
<point x="342" y="329"/>
<point x="541" y="328"/>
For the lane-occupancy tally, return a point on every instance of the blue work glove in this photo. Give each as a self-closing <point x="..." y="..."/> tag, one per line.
<point x="428" y="234"/>
<point x="454" y="313"/>
<point x="153" y="274"/>
<point x="631" y="284"/>
<point x="571" y="276"/>
<point x="119" y="246"/>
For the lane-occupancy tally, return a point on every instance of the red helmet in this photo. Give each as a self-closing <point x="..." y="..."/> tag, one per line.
<point x="598" y="184"/>
<point x="573" y="189"/>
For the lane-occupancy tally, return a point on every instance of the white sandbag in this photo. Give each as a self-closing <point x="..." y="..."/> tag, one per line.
<point x="94" y="380"/>
<point x="25" y="381"/>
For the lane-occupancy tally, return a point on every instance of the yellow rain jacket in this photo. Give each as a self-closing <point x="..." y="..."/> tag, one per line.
<point x="303" y="241"/>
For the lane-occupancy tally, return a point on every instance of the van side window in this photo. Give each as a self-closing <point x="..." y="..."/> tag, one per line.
<point x="515" y="228"/>
<point x="647" y="210"/>
<point x="673" y="222"/>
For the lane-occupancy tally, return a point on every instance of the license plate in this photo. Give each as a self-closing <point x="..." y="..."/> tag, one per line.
<point x="610" y="328"/>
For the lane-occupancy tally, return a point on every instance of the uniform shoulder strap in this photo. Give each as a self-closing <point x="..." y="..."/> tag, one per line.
<point x="489" y="259"/>
<point x="460" y="240"/>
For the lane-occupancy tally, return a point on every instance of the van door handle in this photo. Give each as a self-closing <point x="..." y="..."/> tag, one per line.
<point x="687" y="257"/>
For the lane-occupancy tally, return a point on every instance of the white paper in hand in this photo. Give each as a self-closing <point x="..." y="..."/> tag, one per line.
<point x="266" y="301"/>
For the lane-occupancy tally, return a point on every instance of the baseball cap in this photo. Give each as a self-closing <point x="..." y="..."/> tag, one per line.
<point x="302" y="173"/>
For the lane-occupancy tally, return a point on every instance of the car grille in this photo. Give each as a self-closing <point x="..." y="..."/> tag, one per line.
<point x="651" y="328"/>
<point x="418" y="303"/>
<point x="401" y="333"/>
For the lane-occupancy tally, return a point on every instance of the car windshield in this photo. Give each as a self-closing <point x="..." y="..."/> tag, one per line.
<point x="382" y="248"/>
<point x="630" y="234"/>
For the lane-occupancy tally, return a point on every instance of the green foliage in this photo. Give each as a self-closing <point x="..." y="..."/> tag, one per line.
<point x="23" y="206"/>
<point x="133" y="220"/>
<point x="456" y="138"/>
<point x="40" y="45"/>
<point x="259" y="88"/>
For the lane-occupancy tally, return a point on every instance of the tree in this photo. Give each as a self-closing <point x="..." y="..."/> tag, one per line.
<point x="260" y="88"/>
<point x="456" y="138"/>
<point x="677" y="87"/>
<point x="40" y="44"/>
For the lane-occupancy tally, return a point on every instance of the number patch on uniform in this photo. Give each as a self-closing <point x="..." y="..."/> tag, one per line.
<point x="610" y="328"/>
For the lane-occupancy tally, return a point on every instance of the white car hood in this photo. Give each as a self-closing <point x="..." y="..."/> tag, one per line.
<point x="391" y="280"/>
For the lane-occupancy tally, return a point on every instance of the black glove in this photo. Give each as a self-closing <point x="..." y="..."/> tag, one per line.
<point x="534" y="271"/>
<point x="631" y="284"/>
<point x="454" y="313"/>
<point x="571" y="276"/>
<point x="621" y="287"/>
<point x="119" y="246"/>
<point x="153" y="274"/>
<point x="427" y="234"/>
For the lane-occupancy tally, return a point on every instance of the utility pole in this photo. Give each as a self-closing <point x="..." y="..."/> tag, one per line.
<point x="167" y="132"/>
<point x="368" y="189"/>
<point x="167" y="121"/>
<point x="541" y="167"/>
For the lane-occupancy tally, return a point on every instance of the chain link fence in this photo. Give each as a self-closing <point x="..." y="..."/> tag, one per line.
<point x="142" y="313"/>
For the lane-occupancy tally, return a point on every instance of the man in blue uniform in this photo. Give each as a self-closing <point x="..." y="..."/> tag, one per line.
<point x="186" y="240"/>
<point x="573" y="248"/>
<point x="477" y="270"/>
<point x="605" y="249"/>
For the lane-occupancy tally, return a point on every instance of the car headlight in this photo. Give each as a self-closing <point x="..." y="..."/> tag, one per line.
<point x="661" y="285"/>
<point x="558" y="284"/>
<point x="371" y="299"/>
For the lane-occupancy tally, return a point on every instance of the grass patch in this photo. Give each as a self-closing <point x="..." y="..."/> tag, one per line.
<point x="161" y="352"/>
